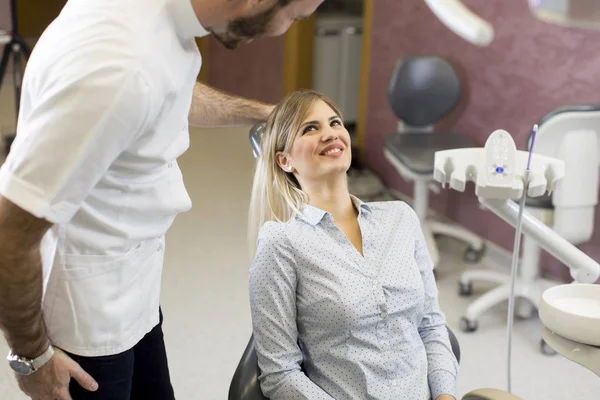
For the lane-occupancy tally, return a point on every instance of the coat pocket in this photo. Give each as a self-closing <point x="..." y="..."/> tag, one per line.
<point x="104" y="302"/>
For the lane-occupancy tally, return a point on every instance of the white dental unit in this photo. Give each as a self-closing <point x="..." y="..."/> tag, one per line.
<point x="570" y="313"/>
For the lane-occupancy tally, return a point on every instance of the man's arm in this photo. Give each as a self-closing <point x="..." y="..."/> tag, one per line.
<point x="21" y="280"/>
<point x="212" y="108"/>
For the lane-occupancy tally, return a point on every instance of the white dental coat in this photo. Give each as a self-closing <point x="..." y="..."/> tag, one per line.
<point x="103" y="119"/>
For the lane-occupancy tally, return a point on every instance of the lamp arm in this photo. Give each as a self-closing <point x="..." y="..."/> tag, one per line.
<point x="462" y="21"/>
<point x="583" y="268"/>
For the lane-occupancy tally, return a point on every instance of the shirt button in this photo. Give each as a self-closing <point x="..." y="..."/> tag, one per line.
<point x="394" y="383"/>
<point x="386" y="347"/>
<point x="375" y="282"/>
<point x="170" y="165"/>
<point x="383" y="315"/>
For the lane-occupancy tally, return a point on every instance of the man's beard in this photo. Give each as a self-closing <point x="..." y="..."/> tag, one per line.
<point x="244" y="29"/>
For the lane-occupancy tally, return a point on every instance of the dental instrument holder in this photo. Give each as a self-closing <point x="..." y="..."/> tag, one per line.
<point x="498" y="171"/>
<point x="502" y="173"/>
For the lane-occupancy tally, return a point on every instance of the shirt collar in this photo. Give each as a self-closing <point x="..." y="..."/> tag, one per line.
<point x="186" y="21"/>
<point x="314" y="215"/>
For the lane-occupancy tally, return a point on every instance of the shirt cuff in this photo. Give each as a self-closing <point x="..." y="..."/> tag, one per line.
<point x="32" y="199"/>
<point x="442" y="382"/>
<point x="22" y="194"/>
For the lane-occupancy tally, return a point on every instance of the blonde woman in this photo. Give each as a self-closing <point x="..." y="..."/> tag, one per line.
<point x="343" y="298"/>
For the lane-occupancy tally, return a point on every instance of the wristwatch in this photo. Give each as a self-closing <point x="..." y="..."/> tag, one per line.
<point x="27" y="366"/>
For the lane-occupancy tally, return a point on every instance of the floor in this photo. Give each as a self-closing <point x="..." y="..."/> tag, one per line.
<point x="205" y="301"/>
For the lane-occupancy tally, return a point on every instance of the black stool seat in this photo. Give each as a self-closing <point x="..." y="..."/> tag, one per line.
<point x="417" y="150"/>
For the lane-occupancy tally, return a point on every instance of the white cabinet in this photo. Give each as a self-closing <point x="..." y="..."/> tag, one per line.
<point x="337" y="60"/>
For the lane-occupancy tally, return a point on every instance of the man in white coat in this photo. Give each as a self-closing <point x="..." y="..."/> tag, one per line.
<point x="91" y="185"/>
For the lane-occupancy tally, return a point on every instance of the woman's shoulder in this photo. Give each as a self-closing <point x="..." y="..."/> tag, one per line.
<point x="273" y="244"/>
<point x="274" y="233"/>
<point x="273" y="227"/>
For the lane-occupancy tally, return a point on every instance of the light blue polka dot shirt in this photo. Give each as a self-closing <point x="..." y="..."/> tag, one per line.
<point x="331" y="324"/>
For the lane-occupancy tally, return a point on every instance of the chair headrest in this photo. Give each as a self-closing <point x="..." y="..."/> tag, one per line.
<point x="568" y="118"/>
<point x="256" y="135"/>
<point x="423" y="90"/>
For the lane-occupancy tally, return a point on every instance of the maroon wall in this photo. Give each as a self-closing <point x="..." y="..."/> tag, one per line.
<point x="254" y="70"/>
<point x="529" y="69"/>
<point x="4" y="15"/>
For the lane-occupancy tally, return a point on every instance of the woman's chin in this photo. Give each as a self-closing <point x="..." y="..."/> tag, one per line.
<point x="336" y="162"/>
<point x="337" y="171"/>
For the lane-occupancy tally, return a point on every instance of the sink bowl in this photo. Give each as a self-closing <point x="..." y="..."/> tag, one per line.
<point x="573" y="311"/>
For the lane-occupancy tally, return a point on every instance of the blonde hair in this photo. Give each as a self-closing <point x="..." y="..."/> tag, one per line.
<point x="276" y="194"/>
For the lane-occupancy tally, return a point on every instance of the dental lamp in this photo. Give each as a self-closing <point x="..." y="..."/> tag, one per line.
<point x="462" y="21"/>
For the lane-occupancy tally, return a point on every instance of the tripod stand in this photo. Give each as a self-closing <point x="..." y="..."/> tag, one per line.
<point x="17" y="48"/>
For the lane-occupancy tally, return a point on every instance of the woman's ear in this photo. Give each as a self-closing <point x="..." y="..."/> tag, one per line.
<point x="284" y="162"/>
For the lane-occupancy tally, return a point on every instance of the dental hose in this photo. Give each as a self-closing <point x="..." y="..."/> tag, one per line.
<point x="515" y="259"/>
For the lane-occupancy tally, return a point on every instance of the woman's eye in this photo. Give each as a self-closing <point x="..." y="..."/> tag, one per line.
<point x="309" y="128"/>
<point x="336" y="122"/>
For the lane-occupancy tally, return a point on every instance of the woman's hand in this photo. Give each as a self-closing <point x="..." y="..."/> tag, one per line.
<point x="445" y="397"/>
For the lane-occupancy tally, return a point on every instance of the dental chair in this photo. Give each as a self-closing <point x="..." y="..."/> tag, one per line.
<point x="572" y="134"/>
<point x="422" y="91"/>
<point x="245" y="384"/>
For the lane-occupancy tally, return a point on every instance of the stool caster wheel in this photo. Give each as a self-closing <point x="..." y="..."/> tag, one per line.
<point x="468" y="325"/>
<point x="473" y="255"/>
<point x="465" y="289"/>
<point x="546" y="349"/>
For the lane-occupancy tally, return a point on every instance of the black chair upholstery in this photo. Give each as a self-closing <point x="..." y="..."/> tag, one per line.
<point x="422" y="91"/>
<point x="245" y="384"/>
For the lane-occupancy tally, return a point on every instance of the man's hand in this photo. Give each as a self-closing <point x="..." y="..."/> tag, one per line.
<point x="445" y="397"/>
<point x="212" y="108"/>
<point x="51" y="381"/>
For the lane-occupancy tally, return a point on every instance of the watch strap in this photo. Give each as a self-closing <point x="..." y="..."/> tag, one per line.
<point x="39" y="362"/>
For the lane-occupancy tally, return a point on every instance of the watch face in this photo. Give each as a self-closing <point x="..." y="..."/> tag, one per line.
<point x="21" y="367"/>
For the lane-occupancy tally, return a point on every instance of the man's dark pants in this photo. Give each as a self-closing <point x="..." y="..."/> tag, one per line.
<point x="139" y="373"/>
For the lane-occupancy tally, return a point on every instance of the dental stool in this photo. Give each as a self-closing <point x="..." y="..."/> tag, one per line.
<point x="422" y="91"/>
<point x="571" y="134"/>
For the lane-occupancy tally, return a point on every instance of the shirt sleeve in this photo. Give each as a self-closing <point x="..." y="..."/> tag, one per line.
<point x="75" y="121"/>
<point x="273" y="308"/>
<point x="442" y="364"/>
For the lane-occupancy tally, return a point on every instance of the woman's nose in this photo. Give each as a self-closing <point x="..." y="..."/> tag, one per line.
<point x="329" y="134"/>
